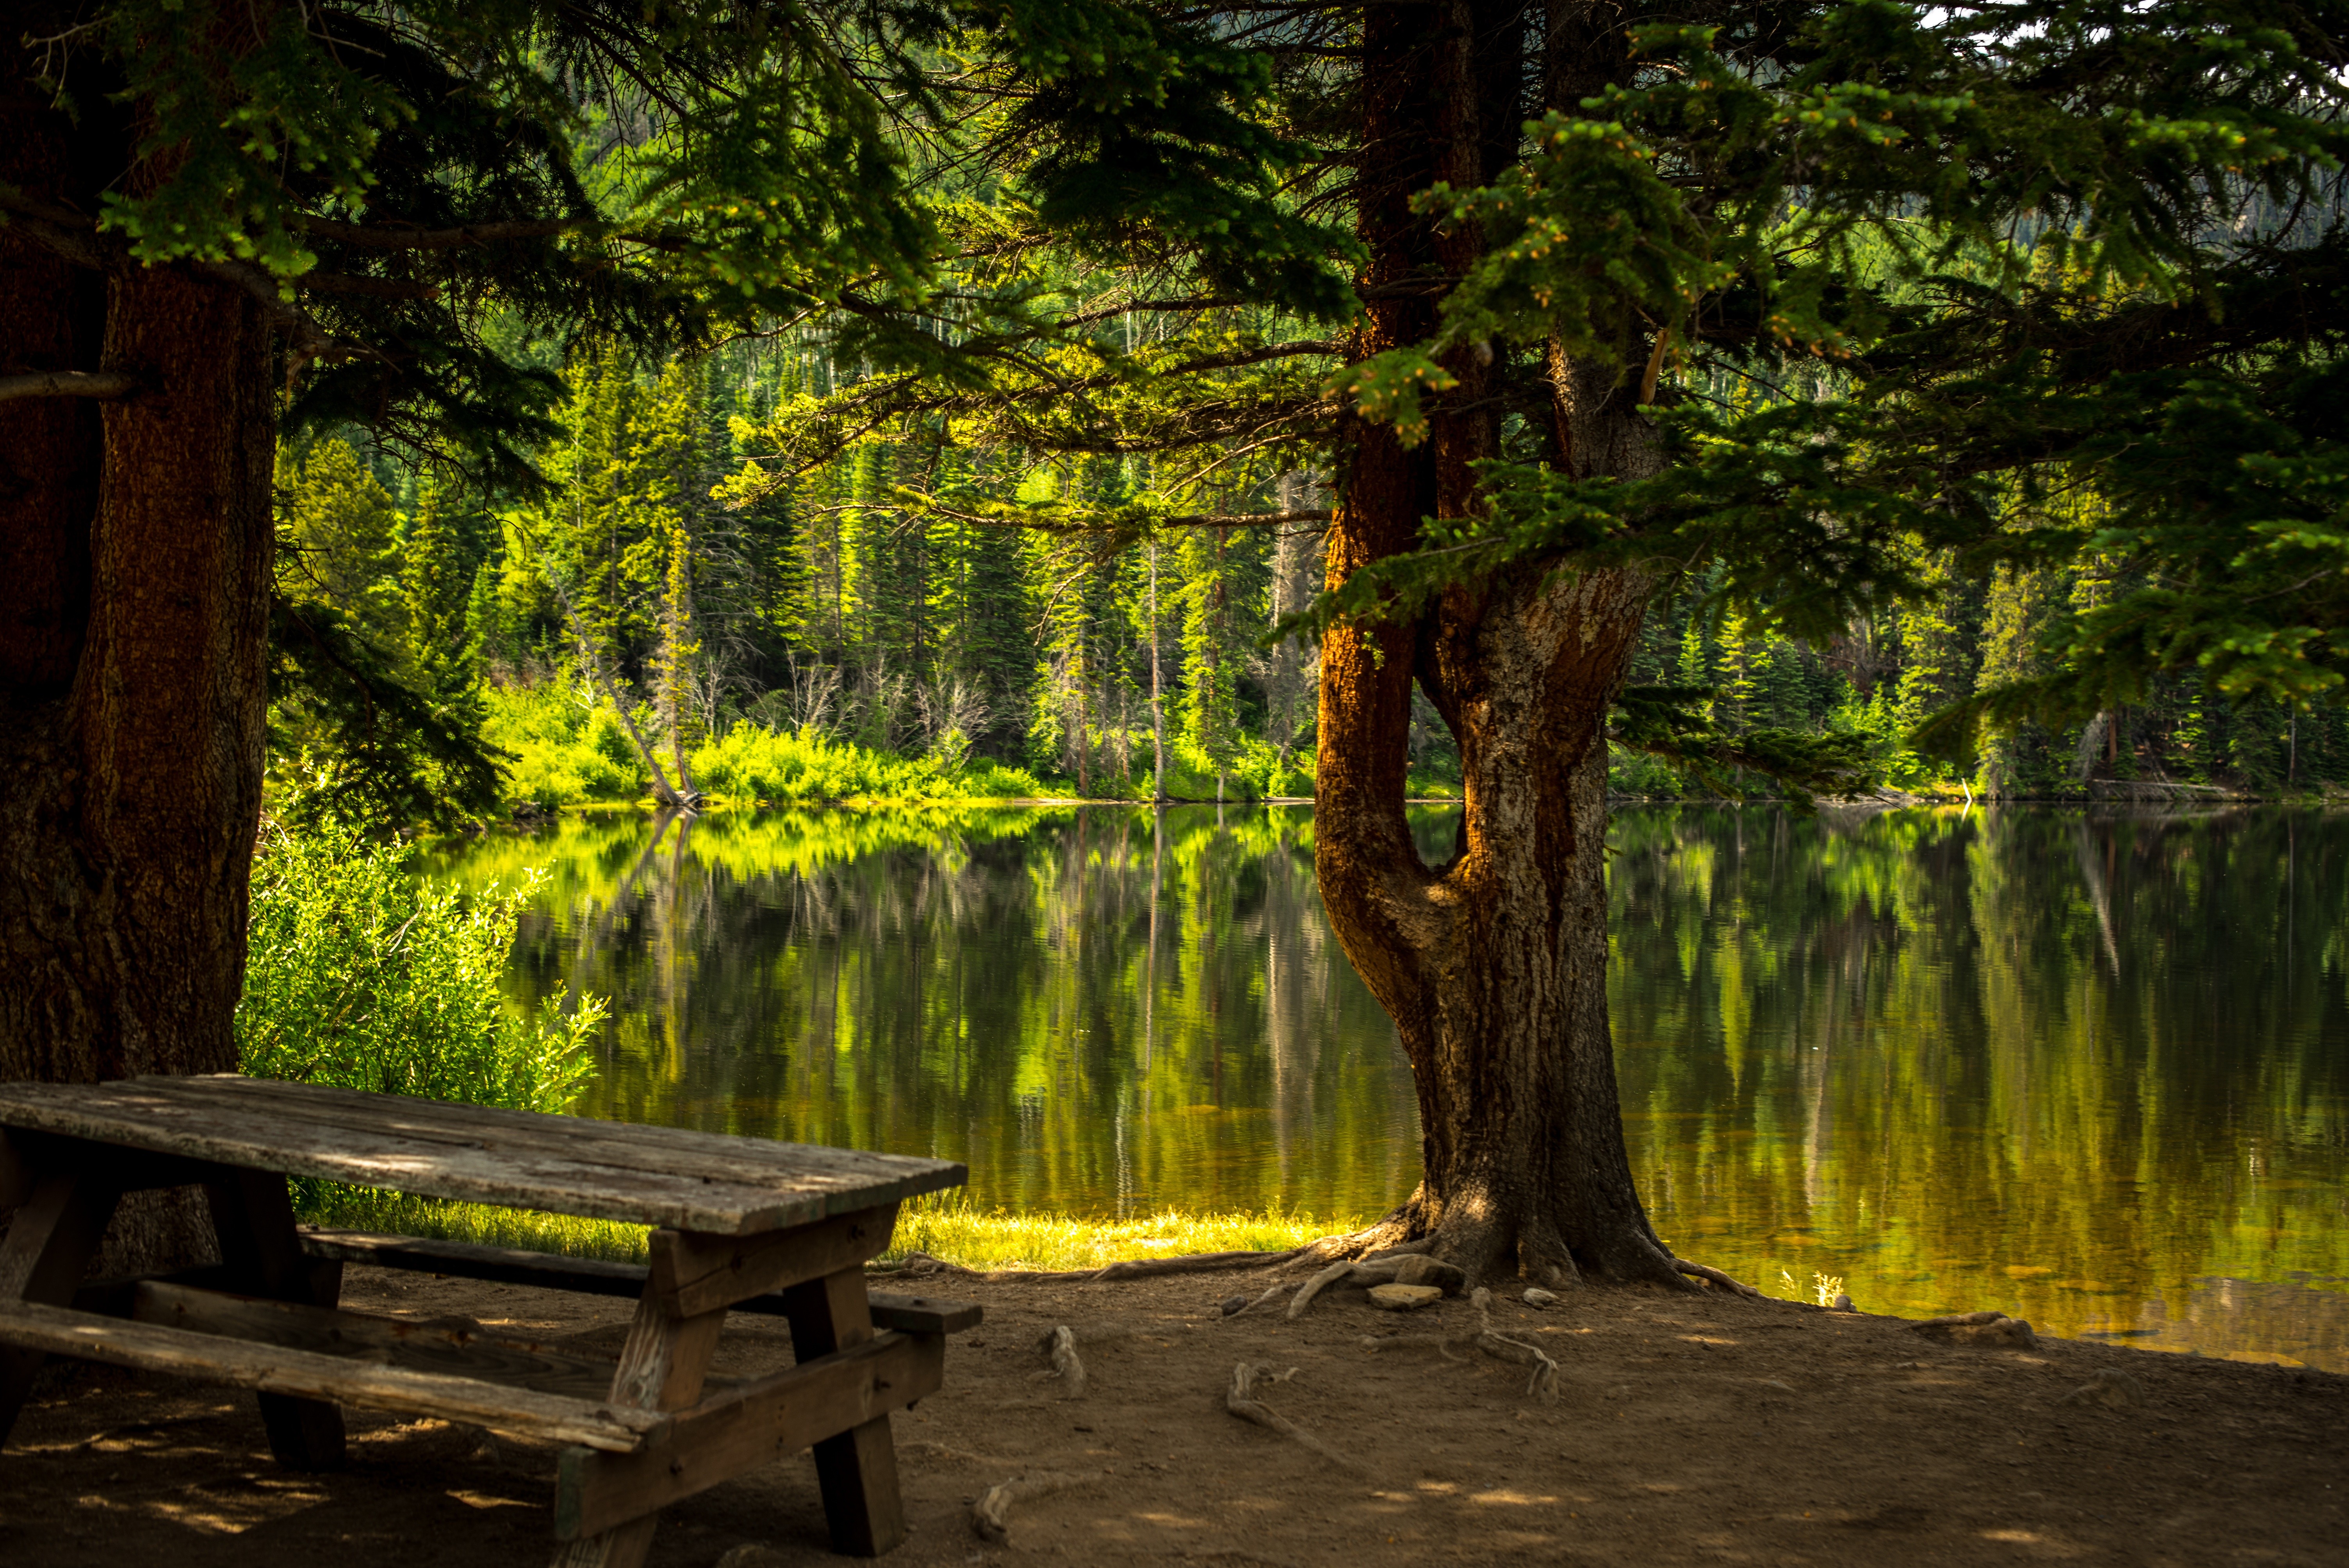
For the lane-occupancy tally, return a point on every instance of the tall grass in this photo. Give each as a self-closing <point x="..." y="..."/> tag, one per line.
<point x="942" y="1228"/>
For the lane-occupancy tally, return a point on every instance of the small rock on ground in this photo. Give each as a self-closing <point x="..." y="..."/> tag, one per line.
<point x="1539" y="1297"/>
<point x="1404" y="1297"/>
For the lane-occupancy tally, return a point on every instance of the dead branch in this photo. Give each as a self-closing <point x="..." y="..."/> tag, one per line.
<point x="990" y="1516"/>
<point x="68" y="383"/>
<point x="1241" y="1402"/>
<point x="1060" y="1345"/>
<point x="1714" y="1277"/>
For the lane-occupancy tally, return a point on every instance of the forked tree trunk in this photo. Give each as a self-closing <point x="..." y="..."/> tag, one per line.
<point x="134" y="583"/>
<point x="1493" y="964"/>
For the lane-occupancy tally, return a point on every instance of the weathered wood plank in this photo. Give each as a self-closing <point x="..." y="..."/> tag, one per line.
<point x="692" y="1275"/>
<point x="726" y="1185"/>
<point x="746" y="1426"/>
<point x="857" y="1468"/>
<point x="252" y="1217"/>
<point x="671" y="1150"/>
<point x="906" y="1313"/>
<point x="307" y="1374"/>
<point x="47" y="1249"/>
<point x="453" y="1348"/>
<point x="661" y="1368"/>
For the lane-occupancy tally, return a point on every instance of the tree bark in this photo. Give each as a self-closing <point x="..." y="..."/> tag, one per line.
<point x="135" y="575"/>
<point x="1493" y="964"/>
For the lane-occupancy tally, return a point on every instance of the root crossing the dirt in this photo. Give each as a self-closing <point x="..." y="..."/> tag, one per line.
<point x="1241" y="1401"/>
<point x="1542" y="1385"/>
<point x="1394" y="1268"/>
<point x="1060" y="1347"/>
<point x="1713" y="1276"/>
<point x="990" y="1516"/>
<point x="1265" y="1300"/>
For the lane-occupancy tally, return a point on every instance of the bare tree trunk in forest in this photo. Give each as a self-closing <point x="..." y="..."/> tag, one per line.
<point x="135" y="539"/>
<point x="669" y="798"/>
<point x="1493" y="964"/>
<point x="1157" y="702"/>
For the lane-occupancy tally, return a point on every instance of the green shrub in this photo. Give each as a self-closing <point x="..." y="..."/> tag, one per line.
<point x="750" y="762"/>
<point x="561" y="752"/>
<point x="361" y="975"/>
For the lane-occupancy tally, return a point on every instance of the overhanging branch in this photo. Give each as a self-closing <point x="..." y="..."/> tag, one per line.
<point x="395" y="237"/>
<point x="68" y="383"/>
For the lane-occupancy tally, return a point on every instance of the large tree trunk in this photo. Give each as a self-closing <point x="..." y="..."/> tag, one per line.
<point x="135" y="578"/>
<point x="1493" y="964"/>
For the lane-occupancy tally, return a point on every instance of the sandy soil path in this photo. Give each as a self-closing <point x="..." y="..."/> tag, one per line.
<point x="1688" y="1428"/>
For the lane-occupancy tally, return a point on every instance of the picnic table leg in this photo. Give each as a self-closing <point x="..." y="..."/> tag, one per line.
<point x="253" y="1218"/>
<point x="662" y="1366"/>
<point x="43" y="1258"/>
<point x="856" y="1472"/>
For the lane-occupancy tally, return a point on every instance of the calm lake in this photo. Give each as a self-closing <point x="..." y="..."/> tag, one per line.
<point x="2091" y="1067"/>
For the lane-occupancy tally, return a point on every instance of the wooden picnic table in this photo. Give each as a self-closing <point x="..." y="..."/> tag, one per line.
<point x="741" y="1224"/>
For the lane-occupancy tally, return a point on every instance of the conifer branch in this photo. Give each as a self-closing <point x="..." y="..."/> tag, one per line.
<point x="399" y="237"/>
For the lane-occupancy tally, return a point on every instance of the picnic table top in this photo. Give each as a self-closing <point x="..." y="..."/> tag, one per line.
<point x="518" y="1158"/>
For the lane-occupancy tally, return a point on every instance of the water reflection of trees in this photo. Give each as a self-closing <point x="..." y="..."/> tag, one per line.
<point x="1094" y="1008"/>
<point x="2074" y="1064"/>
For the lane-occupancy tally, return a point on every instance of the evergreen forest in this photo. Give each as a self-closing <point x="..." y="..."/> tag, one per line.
<point x="855" y="633"/>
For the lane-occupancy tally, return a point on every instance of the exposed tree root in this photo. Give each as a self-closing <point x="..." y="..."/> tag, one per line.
<point x="1263" y="1300"/>
<point x="1393" y="1267"/>
<point x="1241" y="1401"/>
<point x="1061" y="1344"/>
<point x="1085" y="1334"/>
<point x="1389" y="1237"/>
<point x="1543" y="1385"/>
<point x="1714" y="1277"/>
<point x="924" y="1265"/>
<point x="990" y="1516"/>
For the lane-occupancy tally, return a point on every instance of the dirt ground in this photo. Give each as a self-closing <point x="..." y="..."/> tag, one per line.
<point x="1688" y="1428"/>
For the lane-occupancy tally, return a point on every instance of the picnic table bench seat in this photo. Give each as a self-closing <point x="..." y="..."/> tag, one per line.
<point x="740" y="1225"/>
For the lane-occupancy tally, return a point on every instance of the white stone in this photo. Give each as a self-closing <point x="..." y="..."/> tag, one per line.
<point x="1540" y="1297"/>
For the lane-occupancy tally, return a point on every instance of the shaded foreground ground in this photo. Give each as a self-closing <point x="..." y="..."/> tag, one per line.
<point x="1688" y="1428"/>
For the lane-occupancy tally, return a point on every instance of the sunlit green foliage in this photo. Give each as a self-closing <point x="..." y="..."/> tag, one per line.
<point x="361" y="975"/>
<point x="2029" y="260"/>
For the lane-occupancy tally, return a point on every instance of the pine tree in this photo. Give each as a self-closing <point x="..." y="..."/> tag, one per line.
<point x="437" y="584"/>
